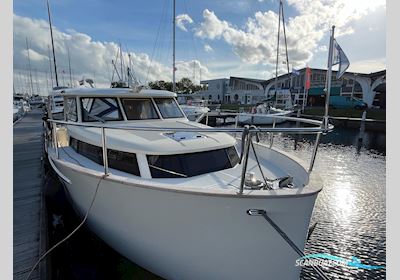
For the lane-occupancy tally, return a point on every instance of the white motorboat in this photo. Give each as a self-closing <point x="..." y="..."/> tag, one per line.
<point x="55" y="106"/>
<point x="175" y="196"/>
<point x="18" y="110"/>
<point x="55" y="103"/>
<point x="194" y="109"/>
<point x="264" y="114"/>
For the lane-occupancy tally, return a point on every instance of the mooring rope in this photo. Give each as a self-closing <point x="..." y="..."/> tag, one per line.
<point x="263" y="213"/>
<point x="69" y="235"/>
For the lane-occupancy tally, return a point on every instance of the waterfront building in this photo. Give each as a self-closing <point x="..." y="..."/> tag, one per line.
<point x="371" y="88"/>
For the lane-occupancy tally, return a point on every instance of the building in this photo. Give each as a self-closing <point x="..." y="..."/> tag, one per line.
<point x="369" y="87"/>
<point x="233" y="90"/>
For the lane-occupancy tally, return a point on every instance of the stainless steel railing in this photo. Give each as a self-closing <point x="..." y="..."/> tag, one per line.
<point x="247" y="133"/>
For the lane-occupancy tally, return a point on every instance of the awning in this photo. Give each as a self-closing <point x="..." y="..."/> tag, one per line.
<point x="320" y="91"/>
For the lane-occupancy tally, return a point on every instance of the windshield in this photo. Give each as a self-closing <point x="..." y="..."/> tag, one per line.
<point x="96" y="108"/>
<point x="168" y="108"/>
<point x="139" y="109"/>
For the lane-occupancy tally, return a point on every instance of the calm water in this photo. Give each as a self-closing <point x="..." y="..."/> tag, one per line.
<point x="350" y="213"/>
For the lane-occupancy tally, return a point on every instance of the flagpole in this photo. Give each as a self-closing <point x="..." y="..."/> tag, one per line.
<point x="329" y="77"/>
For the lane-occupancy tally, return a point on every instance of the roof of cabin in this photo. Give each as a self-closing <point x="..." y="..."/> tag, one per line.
<point x="115" y="92"/>
<point x="154" y="142"/>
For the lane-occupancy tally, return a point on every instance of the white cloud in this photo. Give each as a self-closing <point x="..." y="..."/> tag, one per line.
<point x="322" y="48"/>
<point x="89" y="58"/>
<point x="368" y="66"/>
<point x="181" y="20"/>
<point x="256" y="42"/>
<point x="208" y="48"/>
<point x="34" y="55"/>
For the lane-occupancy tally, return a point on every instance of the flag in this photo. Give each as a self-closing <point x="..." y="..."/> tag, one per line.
<point x="340" y="58"/>
<point x="308" y="78"/>
<point x="295" y="72"/>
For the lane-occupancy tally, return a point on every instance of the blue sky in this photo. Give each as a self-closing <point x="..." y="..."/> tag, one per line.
<point x="222" y="38"/>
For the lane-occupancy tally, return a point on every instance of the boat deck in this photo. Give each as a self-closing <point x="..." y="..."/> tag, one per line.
<point x="28" y="200"/>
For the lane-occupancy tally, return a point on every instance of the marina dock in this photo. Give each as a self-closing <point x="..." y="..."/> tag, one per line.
<point x="29" y="230"/>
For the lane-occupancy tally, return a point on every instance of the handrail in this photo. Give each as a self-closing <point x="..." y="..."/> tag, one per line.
<point x="311" y="130"/>
<point x="247" y="133"/>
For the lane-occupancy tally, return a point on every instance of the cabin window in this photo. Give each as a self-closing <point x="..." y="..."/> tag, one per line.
<point x="168" y="108"/>
<point x="122" y="161"/>
<point x="139" y="109"/>
<point x="193" y="164"/>
<point x="95" y="109"/>
<point x="70" y="110"/>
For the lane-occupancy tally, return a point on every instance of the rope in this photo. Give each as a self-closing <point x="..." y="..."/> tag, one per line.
<point x="258" y="163"/>
<point x="263" y="213"/>
<point x="156" y="41"/>
<point x="69" y="235"/>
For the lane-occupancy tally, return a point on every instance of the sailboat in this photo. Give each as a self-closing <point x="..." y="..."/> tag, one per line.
<point x="179" y="198"/>
<point x="276" y="109"/>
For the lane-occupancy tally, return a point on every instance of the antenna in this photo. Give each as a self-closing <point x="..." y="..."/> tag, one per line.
<point x="173" y="49"/>
<point x="52" y="42"/>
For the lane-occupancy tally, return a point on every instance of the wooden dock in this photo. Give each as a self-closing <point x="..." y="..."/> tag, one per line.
<point x="29" y="223"/>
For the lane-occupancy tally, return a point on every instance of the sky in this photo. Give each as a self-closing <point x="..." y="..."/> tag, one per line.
<point x="214" y="38"/>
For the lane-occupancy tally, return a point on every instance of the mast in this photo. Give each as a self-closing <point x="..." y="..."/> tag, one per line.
<point x="37" y="82"/>
<point x="51" y="72"/>
<point x="29" y="65"/>
<point x="173" y="48"/>
<point x="69" y="66"/>
<point x="277" y="49"/>
<point x="52" y="42"/>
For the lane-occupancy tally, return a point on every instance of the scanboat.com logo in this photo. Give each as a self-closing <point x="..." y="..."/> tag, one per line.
<point x="329" y="260"/>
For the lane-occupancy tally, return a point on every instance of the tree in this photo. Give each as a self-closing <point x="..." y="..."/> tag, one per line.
<point x="184" y="85"/>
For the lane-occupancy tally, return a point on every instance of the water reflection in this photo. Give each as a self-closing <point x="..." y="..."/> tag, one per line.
<point x="350" y="210"/>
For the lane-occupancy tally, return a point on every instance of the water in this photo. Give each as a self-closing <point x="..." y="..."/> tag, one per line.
<point x="350" y="213"/>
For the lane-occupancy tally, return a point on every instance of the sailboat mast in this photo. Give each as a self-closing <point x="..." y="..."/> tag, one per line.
<point x="277" y="48"/>
<point x="52" y="42"/>
<point x="37" y="82"/>
<point x="51" y="72"/>
<point x="29" y="65"/>
<point x="173" y="48"/>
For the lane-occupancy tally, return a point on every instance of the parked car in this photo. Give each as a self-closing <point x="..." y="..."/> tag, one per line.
<point x="340" y="101"/>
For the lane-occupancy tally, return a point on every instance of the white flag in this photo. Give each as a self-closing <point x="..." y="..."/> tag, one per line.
<point x="340" y="58"/>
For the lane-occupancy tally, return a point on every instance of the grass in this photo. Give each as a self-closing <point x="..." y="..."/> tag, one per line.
<point x="377" y="114"/>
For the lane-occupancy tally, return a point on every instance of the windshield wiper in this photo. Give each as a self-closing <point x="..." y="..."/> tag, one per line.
<point x="168" y="171"/>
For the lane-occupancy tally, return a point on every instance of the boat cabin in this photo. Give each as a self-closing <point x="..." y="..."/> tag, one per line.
<point x="141" y="152"/>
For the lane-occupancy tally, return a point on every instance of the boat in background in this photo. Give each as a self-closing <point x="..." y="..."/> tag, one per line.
<point x="195" y="108"/>
<point x="17" y="111"/>
<point x="272" y="110"/>
<point x="264" y="114"/>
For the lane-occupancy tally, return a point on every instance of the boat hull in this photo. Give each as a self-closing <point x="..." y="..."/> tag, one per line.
<point x="179" y="235"/>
